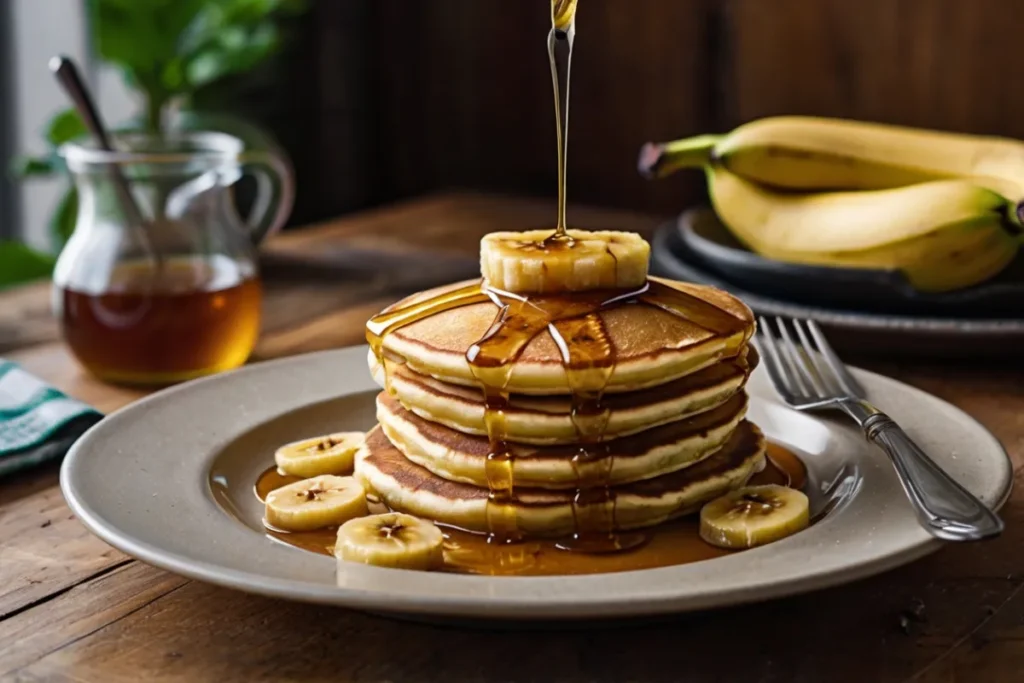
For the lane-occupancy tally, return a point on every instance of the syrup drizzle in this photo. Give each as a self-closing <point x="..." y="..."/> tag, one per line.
<point x="575" y="324"/>
<point x="589" y="358"/>
<point x="560" y="40"/>
<point x="380" y="325"/>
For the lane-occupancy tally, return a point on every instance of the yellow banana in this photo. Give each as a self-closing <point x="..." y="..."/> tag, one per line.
<point x="942" y="235"/>
<point x="754" y="515"/>
<point x="809" y="153"/>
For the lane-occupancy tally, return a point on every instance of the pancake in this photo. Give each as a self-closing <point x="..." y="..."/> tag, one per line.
<point x="407" y="487"/>
<point x="652" y="346"/>
<point x="461" y="457"/>
<point x="546" y="420"/>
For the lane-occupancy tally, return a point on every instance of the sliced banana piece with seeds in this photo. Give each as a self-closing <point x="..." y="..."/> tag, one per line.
<point x="537" y="262"/>
<point x="315" y="503"/>
<point x="329" y="454"/>
<point x="754" y="515"/>
<point x="392" y="539"/>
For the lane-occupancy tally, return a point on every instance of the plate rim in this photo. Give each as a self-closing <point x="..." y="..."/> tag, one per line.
<point x="515" y="607"/>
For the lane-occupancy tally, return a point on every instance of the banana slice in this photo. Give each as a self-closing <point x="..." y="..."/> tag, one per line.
<point x="392" y="539"/>
<point x="754" y="515"/>
<point x="536" y="262"/>
<point x="315" y="503"/>
<point x="330" y="454"/>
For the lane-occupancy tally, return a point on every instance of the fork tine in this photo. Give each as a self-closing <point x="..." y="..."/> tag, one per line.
<point x="797" y="362"/>
<point x="773" y="361"/>
<point x="827" y="383"/>
<point x="846" y="380"/>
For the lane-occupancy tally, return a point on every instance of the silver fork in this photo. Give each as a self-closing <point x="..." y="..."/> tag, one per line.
<point x="808" y="375"/>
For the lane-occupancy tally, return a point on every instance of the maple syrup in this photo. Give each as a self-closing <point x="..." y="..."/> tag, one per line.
<point x="575" y="323"/>
<point x="146" y="326"/>
<point x="589" y="358"/>
<point x="560" y="40"/>
<point x="673" y="543"/>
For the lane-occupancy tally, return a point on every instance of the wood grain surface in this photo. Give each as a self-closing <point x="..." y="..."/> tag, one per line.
<point x="72" y="609"/>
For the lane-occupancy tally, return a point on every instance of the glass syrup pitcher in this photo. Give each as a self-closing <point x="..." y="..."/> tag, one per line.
<point x="159" y="281"/>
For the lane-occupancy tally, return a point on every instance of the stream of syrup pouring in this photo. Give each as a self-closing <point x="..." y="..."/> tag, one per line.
<point x="576" y="326"/>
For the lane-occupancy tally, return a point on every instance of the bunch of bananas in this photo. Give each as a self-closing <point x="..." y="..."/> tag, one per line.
<point x="940" y="207"/>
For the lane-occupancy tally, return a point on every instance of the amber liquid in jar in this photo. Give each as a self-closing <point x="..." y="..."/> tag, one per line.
<point x="153" y="326"/>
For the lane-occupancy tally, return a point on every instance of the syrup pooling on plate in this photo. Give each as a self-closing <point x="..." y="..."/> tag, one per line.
<point x="669" y="544"/>
<point x="789" y="465"/>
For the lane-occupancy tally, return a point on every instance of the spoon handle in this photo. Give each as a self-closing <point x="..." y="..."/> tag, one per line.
<point x="67" y="75"/>
<point x="69" y="78"/>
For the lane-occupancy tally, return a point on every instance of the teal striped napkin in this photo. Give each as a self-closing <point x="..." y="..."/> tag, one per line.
<point x="37" y="422"/>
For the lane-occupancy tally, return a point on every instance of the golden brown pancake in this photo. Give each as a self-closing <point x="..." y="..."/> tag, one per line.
<point x="407" y="487"/>
<point x="544" y="420"/>
<point x="461" y="457"/>
<point x="651" y="345"/>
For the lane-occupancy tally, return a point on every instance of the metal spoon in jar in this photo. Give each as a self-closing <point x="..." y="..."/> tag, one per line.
<point x="70" y="80"/>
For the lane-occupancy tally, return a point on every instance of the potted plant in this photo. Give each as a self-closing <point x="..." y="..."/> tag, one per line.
<point x="173" y="54"/>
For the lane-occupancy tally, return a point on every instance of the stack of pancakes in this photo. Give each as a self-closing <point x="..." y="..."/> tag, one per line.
<point x="676" y="433"/>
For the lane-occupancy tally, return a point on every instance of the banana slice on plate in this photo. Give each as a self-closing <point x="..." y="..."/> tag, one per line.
<point x="754" y="515"/>
<point x="329" y="454"/>
<point x="537" y="262"/>
<point x="315" y="503"/>
<point x="392" y="539"/>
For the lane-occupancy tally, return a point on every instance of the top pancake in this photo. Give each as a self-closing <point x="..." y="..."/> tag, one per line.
<point x="652" y="346"/>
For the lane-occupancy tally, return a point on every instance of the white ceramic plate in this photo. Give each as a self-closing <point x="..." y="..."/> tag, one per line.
<point x="144" y="480"/>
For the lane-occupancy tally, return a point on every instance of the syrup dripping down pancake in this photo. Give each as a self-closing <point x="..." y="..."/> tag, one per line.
<point x="407" y="487"/>
<point x="545" y="420"/>
<point x="460" y="457"/>
<point x="651" y="345"/>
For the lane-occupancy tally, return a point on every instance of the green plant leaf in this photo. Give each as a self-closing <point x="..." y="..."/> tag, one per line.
<point x="173" y="76"/>
<point x="25" y="167"/>
<point x="129" y="33"/>
<point x="202" y="29"/>
<point x="64" y="127"/>
<point x="20" y="263"/>
<point x="235" y="51"/>
<point x="229" y="22"/>
<point x="62" y="222"/>
<point x="142" y="39"/>
<point x="167" y="48"/>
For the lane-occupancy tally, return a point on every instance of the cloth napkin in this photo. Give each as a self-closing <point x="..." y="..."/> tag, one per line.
<point x="37" y="423"/>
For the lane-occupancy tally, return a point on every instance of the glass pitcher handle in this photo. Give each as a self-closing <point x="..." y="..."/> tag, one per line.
<point x="275" y="192"/>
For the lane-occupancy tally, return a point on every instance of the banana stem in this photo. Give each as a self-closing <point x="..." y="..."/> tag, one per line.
<point x="660" y="159"/>
<point x="1017" y="215"/>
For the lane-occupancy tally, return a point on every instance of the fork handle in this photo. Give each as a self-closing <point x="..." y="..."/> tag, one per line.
<point x="946" y="508"/>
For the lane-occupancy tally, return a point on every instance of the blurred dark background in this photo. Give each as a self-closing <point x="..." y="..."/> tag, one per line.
<point x="382" y="99"/>
<point x="376" y="100"/>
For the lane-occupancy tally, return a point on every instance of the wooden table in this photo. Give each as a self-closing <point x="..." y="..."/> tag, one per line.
<point x="74" y="609"/>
